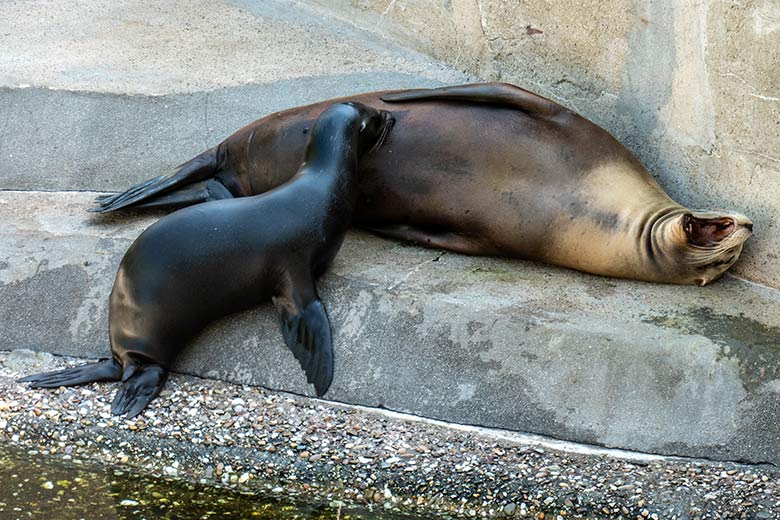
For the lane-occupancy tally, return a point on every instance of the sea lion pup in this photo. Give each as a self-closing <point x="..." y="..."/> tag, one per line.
<point x="207" y="261"/>
<point x="486" y="169"/>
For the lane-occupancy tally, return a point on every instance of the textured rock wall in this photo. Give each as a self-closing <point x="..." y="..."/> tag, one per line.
<point x="693" y="88"/>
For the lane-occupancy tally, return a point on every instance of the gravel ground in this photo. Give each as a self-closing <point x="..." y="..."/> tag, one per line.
<point x="260" y="441"/>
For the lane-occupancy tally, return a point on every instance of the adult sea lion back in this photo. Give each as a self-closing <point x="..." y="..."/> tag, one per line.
<point x="483" y="169"/>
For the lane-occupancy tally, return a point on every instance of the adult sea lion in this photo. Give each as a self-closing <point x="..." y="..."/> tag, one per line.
<point x="485" y="169"/>
<point x="210" y="260"/>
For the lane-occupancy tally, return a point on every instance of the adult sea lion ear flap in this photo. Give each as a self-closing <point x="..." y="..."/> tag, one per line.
<point x="306" y="331"/>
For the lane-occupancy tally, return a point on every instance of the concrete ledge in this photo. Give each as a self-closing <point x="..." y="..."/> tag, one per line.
<point x="509" y="344"/>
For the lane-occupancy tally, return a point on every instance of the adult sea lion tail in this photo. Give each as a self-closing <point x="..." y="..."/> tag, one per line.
<point x="307" y="333"/>
<point x="197" y="169"/>
<point x="105" y="370"/>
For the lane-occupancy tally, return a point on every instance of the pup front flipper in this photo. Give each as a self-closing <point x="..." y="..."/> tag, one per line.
<point x="306" y="330"/>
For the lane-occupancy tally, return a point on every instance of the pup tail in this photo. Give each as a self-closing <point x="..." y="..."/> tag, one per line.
<point x="197" y="169"/>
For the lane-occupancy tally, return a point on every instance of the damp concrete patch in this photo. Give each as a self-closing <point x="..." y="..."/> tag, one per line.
<point x="655" y="368"/>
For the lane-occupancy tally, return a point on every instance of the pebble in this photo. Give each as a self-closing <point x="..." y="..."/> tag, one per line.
<point x="286" y="444"/>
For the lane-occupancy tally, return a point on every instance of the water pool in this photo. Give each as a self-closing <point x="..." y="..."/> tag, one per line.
<point x="35" y="486"/>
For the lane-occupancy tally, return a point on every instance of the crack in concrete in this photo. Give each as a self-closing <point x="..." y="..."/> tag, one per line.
<point x="757" y="153"/>
<point x="754" y="90"/>
<point x="382" y="333"/>
<point x="482" y="22"/>
<point x="413" y="270"/>
<point x="388" y="8"/>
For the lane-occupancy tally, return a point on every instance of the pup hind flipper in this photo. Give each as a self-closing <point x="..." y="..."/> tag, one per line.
<point x="140" y="385"/>
<point x="105" y="370"/>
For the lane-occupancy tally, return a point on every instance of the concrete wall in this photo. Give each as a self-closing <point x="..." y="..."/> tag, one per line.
<point x="676" y="370"/>
<point x="693" y="88"/>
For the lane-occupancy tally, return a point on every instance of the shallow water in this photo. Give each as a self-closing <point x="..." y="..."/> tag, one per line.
<point x="42" y="487"/>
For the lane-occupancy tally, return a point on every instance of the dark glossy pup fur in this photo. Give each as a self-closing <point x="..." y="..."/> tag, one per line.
<point x="214" y="259"/>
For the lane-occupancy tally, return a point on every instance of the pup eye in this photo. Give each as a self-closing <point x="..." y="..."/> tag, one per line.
<point x="362" y="126"/>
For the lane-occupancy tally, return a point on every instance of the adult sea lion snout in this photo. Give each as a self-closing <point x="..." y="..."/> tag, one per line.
<point x="708" y="231"/>
<point x="713" y="241"/>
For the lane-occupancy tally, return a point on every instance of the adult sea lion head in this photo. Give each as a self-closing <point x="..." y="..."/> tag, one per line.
<point x="373" y="123"/>
<point x="372" y="126"/>
<point x="697" y="247"/>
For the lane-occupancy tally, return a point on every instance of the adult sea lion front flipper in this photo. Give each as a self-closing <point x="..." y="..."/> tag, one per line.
<point x="490" y="93"/>
<point x="306" y="330"/>
<point x="438" y="239"/>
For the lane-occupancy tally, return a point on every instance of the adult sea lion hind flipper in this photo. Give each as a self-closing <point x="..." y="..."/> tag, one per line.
<point x="306" y="331"/>
<point x="487" y="93"/>
<point x="199" y="168"/>
<point x="105" y="370"/>
<point x="203" y="191"/>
